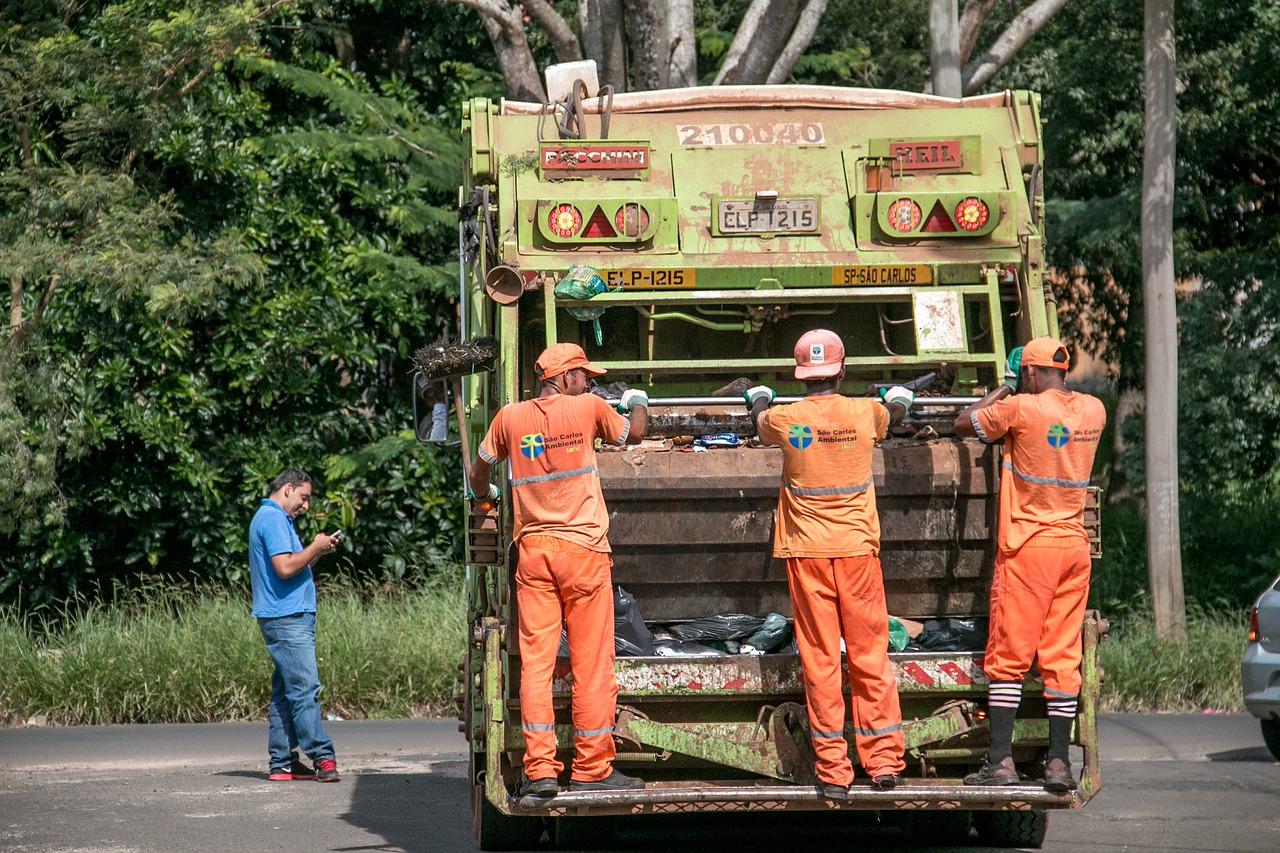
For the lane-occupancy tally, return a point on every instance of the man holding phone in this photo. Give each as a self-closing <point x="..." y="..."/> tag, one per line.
<point x="284" y="602"/>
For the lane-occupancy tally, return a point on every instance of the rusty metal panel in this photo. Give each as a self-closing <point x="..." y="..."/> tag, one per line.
<point x="692" y="532"/>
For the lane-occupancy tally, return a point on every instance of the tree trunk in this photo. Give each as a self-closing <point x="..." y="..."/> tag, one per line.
<point x="682" y="49"/>
<point x="563" y="41"/>
<point x="646" y="36"/>
<point x="604" y="40"/>
<point x="971" y="20"/>
<point x="944" y="48"/>
<point x="1020" y="31"/>
<point x="768" y="38"/>
<point x="801" y="36"/>
<point x="1160" y="321"/>
<point x="515" y="60"/>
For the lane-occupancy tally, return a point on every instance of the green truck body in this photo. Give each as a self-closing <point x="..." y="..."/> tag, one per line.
<point x="725" y="222"/>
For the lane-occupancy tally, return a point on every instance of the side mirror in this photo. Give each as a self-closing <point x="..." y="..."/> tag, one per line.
<point x="430" y="409"/>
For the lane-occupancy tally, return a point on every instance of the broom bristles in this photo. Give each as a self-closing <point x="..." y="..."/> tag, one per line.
<point x="448" y="357"/>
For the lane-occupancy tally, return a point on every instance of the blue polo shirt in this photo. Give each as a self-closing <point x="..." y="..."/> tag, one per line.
<point x="271" y="532"/>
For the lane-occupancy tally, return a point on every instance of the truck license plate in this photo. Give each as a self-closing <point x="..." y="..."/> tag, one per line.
<point x="752" y="216"/>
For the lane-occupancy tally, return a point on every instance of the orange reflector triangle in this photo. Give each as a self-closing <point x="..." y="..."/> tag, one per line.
<point x="938" y="220"/>
<point x="599" y="226"/>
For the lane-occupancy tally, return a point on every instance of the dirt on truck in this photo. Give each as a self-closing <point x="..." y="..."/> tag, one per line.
<point x="686" y="239"/>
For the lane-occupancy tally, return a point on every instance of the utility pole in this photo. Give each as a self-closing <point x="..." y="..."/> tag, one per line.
<point x="1160" y="321"/>
<point x="944" y="48"/>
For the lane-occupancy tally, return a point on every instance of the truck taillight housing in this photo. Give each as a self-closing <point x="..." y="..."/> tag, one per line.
<point x="631" y="220"/>
<point x="1252" y="636"/>
<point x="972" y="214"/>
<point x="904" y="215"/>
<point x="565" y="220"/>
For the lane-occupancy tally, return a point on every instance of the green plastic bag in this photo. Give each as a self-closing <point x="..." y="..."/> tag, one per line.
<point x="898" y="638"/>
<point x="583" y="282"/>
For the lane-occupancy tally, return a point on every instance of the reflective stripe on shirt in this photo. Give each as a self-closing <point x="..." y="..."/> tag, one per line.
<point x="554" y="475"/>
<point x="833" y="490"/>
<point x="1045" y="481"/>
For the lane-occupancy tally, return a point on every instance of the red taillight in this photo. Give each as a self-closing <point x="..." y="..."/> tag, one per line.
<point x="631" y="220"/>
<point x="904" y="215"/>
<point x="565" y="220"/>
<point x="971" y="214"/>
<point x="1252" y="636"/>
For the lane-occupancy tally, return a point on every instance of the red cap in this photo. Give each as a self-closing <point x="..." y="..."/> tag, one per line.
<point x="819" y="354"/>
<point x="1045" y="352"/>
<point x="558" y="358"/>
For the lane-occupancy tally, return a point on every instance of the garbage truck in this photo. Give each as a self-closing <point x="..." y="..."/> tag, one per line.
<point x="718" y="224"/>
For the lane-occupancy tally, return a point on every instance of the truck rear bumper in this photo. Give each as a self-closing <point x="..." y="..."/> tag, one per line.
<point x="676" y="797"/>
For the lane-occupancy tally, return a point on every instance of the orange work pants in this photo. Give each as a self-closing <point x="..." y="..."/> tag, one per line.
<point x="844" y="597"/>
<point x="559" y="581"/>
<point x="1038" y="596"/>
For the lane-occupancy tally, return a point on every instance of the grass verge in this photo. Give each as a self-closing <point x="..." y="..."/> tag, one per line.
<point x="198" y="657"/>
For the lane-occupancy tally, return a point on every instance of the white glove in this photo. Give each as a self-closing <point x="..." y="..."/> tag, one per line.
<point x="759" y="392"/>
<point x="900" y="395"/>
<point x="492" y="495"/>
<point x="633" y="397"/>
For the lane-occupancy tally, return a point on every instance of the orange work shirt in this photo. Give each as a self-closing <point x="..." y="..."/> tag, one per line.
<point x="549" y="445"/>
<point x="1050" y="441"/>
<point x="827" y="503"/>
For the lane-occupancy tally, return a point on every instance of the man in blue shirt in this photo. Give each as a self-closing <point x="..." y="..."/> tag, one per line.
<point x="284" y="602"/>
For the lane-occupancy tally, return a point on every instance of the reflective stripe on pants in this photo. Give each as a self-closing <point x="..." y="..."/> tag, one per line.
<point x="558" y="580"/>
<point x="830" y="598"/>
<point x="1038" y="598"/>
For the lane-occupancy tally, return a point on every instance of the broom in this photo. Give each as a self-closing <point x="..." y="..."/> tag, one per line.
<point x="450" y="360"/>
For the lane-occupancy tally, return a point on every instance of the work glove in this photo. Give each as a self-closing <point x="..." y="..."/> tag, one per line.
<point x="632" y="397"/>
<point x="1012" y="367"/>
<point x="759" y="392"/>
<point x="898" y="394"/>
<point x="492" y="495"/>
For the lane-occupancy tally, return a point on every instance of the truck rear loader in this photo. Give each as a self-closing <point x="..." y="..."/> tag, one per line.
<point x="711" y="227"/>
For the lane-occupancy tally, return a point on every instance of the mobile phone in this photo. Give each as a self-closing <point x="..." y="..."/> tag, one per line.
<point x="338" y="535"/>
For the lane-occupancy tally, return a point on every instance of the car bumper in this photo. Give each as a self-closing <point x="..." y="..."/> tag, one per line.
<point x="1260" y="680"/>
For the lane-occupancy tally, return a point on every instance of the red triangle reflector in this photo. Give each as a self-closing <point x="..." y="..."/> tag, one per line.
<point x="599" y="226"/>
<point x="938" y="220"/>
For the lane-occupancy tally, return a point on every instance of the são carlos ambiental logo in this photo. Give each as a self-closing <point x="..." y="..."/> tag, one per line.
<point x="1058" y="435"/>
<point x="532" y="445"/>
<point x="799" y="436"/>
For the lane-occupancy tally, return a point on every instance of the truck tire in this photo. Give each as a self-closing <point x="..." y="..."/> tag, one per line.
<point x="1271" y="735"/>
<point x="494" y="830"/>
<point x="1012" y="828"/>
<point x="930" y="827"/>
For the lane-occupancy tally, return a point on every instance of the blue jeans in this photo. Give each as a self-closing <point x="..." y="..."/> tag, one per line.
<point x="294" y="716"/>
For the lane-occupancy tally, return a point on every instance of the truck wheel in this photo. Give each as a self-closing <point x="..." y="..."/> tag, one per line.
<point x="494" y="830"/>
<point x="1012" y="828"/>
<point x="934" y="827"/>
<point x="1271" y="734"/>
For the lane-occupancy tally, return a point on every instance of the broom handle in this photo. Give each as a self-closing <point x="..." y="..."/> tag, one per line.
<point x="463" y="441"/>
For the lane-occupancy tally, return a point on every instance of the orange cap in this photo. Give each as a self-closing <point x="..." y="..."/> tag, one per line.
<point x="819" y="354"/>
<point x="1045" y="352"/>
<point x="558" y="358"/>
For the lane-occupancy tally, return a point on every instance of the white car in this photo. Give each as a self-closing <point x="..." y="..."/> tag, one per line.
<point x="1260" y="668"/>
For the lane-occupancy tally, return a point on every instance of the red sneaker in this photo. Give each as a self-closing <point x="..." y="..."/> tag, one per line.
<point x="293" y="772"/>
<point x="326" y="770"/>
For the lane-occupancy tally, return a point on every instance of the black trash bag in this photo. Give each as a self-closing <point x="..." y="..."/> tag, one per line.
<point x="669" y="646"/>
<point x="771" y="634"/>
<point x="631" y="637"/>
<point x="725" y="626"/>
<point x="952" y="635"/>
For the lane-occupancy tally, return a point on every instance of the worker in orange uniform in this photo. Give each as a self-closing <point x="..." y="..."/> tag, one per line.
<point x="1042" y="563"/>
<point x="563" y="573"/>
<point x="828" y="531"/>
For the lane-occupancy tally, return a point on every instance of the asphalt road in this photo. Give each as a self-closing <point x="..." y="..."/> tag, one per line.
<point x="1170" y="783"/>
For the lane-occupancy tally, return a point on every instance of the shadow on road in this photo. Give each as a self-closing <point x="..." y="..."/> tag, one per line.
<point x="418" y="812"/>
<point x="1259" y="754"/>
